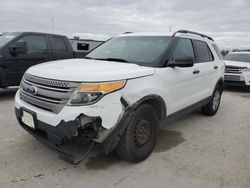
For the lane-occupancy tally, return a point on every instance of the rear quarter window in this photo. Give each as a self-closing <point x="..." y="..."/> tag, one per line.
<point x="202" y="52"/>
<point x="59" y="44"/>
<point x="217" y="50"/>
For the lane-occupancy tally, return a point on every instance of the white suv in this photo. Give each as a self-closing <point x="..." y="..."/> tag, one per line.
<point x="119" y="94"/>
<point x="237" y="71"/>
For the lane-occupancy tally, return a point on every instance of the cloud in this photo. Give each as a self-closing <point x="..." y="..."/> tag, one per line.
<point x="226" y="21"/>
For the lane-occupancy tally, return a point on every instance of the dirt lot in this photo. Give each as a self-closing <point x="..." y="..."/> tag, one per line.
<point x="194" y="151"/>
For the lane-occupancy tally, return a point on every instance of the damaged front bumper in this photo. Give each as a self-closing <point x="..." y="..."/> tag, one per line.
<point x="64" y="132"/>
<point x="61" y="135"/>
<point x="81" y="124"/>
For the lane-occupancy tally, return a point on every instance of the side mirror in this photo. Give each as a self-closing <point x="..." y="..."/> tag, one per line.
<point x="182" y="62"/>
<point x="18" y="48"/>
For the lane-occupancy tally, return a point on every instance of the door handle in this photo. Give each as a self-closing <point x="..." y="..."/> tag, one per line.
<point x="215" y="67"/>
<point x="196" y="71"/>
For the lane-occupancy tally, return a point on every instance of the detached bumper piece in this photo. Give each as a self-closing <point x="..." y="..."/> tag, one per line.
<point x="65" y="136"/>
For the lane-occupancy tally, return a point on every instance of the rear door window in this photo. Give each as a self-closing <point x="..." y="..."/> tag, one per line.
<point x="202" y="52"/>
<point x="59" y="44"/>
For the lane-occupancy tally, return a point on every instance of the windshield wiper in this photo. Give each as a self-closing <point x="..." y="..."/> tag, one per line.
<point x="115" y="59"/>
<point x="87" y="57"/>
<point x="108" y="59"/>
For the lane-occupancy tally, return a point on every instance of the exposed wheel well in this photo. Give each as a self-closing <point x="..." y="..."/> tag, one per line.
<point x="220" y="83"/>
<point x="157" y="102"/>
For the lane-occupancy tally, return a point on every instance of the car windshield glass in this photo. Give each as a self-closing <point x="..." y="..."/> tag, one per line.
<point x="141" y="50"/>
<point x="238" y="57"/>
<point x="5" y="38"/>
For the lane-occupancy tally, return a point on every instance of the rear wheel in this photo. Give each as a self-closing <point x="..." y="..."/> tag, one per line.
<point x="212" y="106"/>
<point x="140" y="136"/>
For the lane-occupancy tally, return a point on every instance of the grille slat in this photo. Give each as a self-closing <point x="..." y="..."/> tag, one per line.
<point x="49" y="82"/>
<point x="51" y="95"/>
<point x="43" y="98"/>
<point x="234" y="69"/>
<point x="47" y="87"/>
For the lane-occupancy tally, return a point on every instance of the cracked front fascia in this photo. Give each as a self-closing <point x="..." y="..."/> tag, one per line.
<point x="108" y="109"/>
<point x="104" y="133"/>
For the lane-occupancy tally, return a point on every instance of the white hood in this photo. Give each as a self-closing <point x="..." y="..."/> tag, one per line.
<point x="87" y="70"/>
<point x="237" y="63"/>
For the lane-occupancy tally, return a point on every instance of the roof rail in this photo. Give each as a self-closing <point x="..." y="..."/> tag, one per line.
<point x="191" y="32"/>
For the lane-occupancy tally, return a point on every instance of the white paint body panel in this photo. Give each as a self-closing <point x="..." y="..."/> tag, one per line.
<point x="237" y="63"/>
<point x="86" y="70"/>
<point x="245" y="75"/>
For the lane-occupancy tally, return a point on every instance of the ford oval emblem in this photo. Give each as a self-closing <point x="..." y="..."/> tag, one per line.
<point x="32" y="90"/>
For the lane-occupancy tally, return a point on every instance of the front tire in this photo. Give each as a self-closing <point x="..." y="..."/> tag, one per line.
<point x="212" y="106"/>
<point x="140" y="136"/>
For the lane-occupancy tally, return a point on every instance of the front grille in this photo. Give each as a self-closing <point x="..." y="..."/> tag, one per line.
<point x="232" y="77"/>
<point x="48" y="94"/>
<point x="234" y="69"/>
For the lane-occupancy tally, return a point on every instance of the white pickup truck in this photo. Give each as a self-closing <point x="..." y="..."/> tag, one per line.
<point x="120" y="93"/>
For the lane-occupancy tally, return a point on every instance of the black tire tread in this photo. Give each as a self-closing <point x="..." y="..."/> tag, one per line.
<point x="208" y="108"/>
<point x="123" y="150"/>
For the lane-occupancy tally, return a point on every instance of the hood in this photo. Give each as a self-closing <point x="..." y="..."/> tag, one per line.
<point x="87" y="70"/>
<point x="237" y="63"/>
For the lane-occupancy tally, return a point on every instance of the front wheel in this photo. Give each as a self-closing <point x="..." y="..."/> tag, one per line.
<point x="140" y="136"/>
<point x="212" y="106"/>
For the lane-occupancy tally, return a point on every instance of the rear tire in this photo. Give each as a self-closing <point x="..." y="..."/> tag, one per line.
<point x="139" y="139"/>
<point x="212" y="106"/>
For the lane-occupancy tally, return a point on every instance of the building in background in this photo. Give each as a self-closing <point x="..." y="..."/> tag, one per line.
<point x="84" y="45"/>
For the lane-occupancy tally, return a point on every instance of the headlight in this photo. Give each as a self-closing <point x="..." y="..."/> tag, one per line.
<point x="89" y="93"/>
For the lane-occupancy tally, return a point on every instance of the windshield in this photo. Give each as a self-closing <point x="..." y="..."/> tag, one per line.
<point x="4" y="39"/>
<point x="141" y="50"/>
<point x="238" y="57"/>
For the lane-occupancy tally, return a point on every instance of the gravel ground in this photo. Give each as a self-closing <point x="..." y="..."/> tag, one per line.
<point x="193" y="151"/>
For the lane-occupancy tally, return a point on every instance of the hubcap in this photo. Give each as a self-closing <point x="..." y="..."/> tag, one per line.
<point x="142" y="133"/>
<point x="216" y="100"/>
